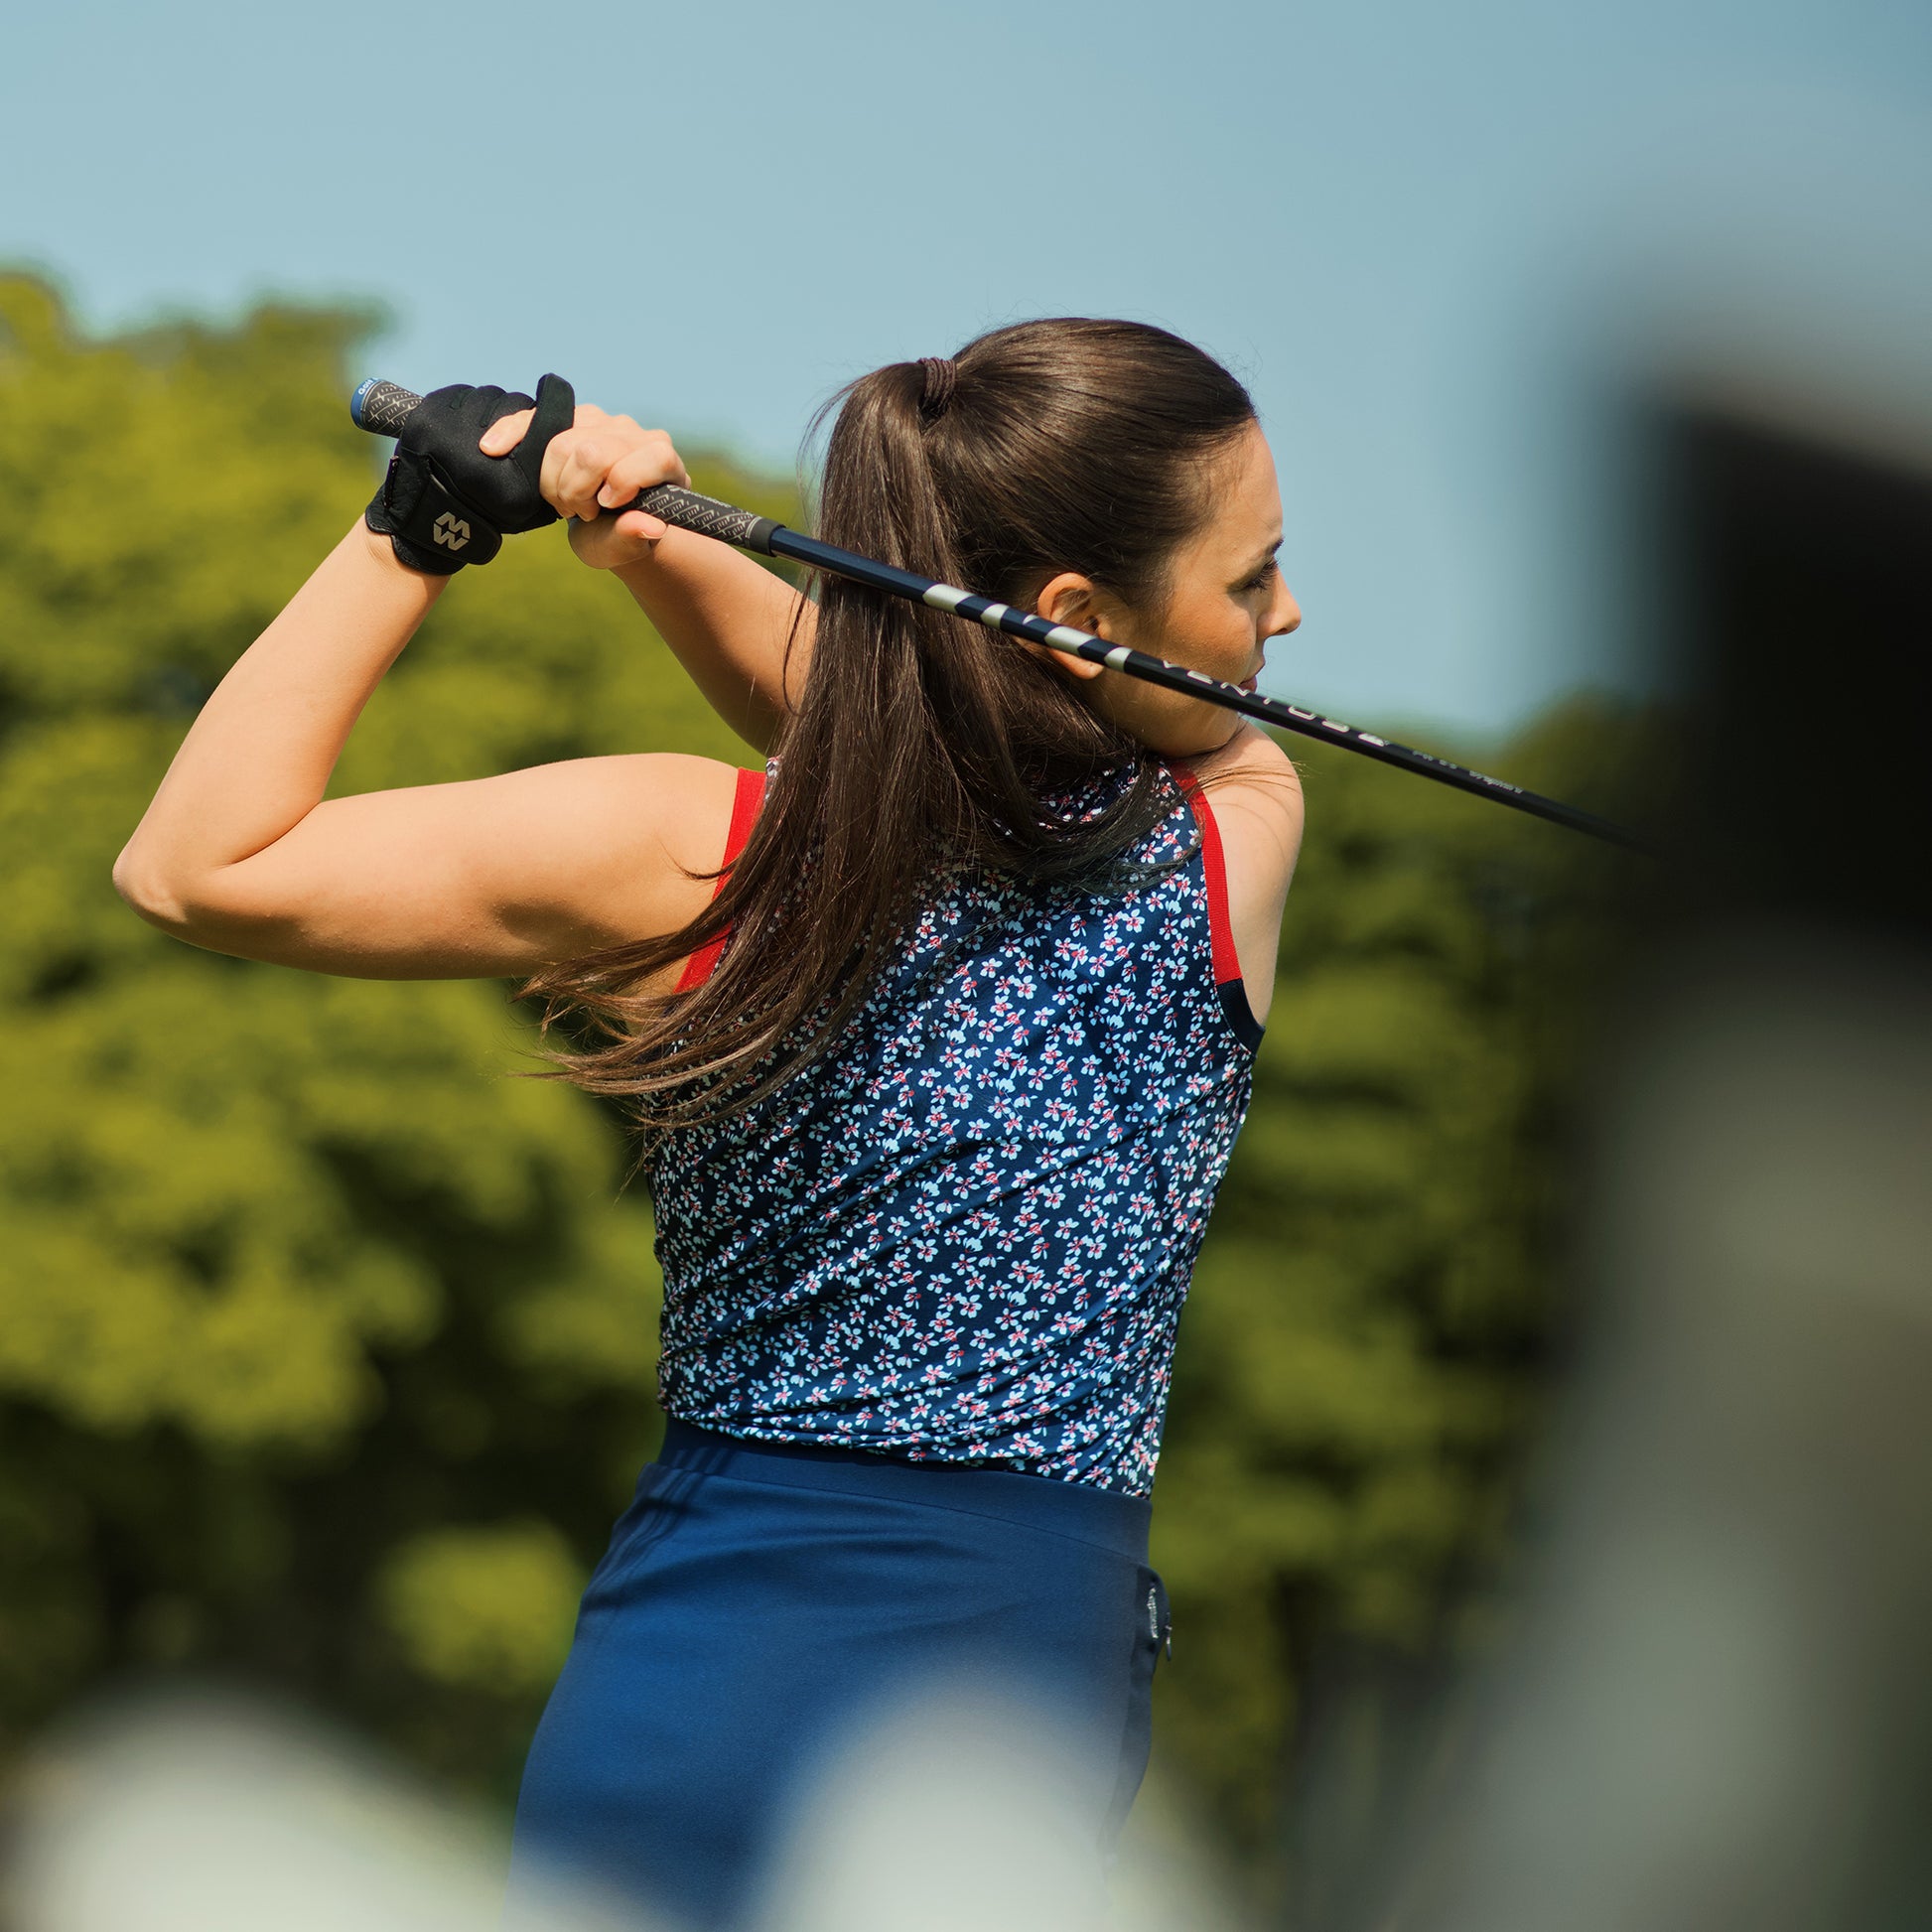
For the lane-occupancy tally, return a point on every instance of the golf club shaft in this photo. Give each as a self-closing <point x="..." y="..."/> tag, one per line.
<point x="383" y="407"/>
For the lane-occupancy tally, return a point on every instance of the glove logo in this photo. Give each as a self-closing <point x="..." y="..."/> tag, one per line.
<point x="449" y="530"/>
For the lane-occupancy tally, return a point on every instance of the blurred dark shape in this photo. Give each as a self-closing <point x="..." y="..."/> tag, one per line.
<point x="1370" y="1730"/>
<point x="1805" y="592"/>
<point x="1716" y="1709"/>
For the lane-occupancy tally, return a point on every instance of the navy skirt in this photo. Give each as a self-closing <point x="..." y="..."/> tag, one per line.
<point x="760" y="1605"/>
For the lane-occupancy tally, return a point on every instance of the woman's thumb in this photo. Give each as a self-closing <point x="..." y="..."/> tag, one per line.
<point x="502" y="435"/>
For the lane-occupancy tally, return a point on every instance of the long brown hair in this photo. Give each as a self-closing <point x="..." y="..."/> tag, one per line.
<point x="924" y="744"/>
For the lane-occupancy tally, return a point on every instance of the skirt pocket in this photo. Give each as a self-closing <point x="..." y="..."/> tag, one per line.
<point x="1153" y="1638"/>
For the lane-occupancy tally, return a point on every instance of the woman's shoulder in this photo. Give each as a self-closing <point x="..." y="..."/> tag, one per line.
<point x="1252" y="778"/>
<point x="1252" y="760"/>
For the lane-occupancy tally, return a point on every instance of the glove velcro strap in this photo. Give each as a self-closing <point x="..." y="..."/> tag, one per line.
<point x="430" y="527"/>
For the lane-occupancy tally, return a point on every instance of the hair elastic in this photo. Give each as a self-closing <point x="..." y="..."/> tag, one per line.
<point x="941" y="375"/>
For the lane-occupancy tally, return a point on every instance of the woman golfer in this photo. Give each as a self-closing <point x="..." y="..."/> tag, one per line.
<point x="938" y="1035"/>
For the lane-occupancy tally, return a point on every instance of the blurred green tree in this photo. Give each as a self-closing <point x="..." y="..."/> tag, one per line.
<point x="311" y="1318"/>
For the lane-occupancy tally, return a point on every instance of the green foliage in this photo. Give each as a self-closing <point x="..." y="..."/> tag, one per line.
<point x="483" y="1609"/>
<point x="324" y="1343"/>
<point x="308" y="1308"/>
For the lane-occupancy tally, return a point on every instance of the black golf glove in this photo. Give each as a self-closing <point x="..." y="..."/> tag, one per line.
<point x="444" y="503"/>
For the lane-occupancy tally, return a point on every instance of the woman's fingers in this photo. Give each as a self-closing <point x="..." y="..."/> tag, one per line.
<point x="572" y="473"/>
<point x="577" y="463"/>
<point x="651" y="459"/>
<point x="607" y="470"/>
<point x="611" y="542"/>
<point x="599" y="464"/>
<point x="502" y="435"/>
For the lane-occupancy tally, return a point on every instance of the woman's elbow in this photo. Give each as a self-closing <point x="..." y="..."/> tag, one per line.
<point x="163" y="895"/>
<point x="149" y="888"/>
<point x="205" y="909"/>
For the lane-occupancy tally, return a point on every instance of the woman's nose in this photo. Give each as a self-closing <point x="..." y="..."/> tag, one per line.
<point x="1286" y="616"/>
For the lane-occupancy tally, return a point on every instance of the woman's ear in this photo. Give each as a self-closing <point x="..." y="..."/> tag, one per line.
<point x="1074" y="600"/>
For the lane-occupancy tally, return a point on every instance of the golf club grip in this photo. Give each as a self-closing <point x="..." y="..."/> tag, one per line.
<point x="706" y="515"/>
<point x="382" y="408"/>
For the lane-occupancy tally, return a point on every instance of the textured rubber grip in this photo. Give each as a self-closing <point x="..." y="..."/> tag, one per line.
<point x="382" y="408"/>
<point x="708" y="516"/>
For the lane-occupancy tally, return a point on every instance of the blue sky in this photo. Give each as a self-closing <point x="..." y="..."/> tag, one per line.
<point x="1427" y="236"/>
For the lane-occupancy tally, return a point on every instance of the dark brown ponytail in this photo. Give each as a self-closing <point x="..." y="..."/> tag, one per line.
<point x="924" y="744"/>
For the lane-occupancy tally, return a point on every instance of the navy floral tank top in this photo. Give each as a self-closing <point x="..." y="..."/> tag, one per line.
<point x="964" y="1233"/>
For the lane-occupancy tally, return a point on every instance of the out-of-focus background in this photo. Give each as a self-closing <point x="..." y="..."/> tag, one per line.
<point x="326" y="1345"/>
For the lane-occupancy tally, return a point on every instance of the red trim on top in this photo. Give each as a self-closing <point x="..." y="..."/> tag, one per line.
<point x="1227" y="963"/>
<point x="746" y="801"/>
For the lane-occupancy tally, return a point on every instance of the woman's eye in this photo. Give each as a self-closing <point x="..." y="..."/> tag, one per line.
<point x="1262" y="578"/>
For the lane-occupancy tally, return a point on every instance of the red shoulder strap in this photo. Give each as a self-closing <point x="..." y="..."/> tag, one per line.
<point x="1214" y="868"/>
<point x="746" y="801"/>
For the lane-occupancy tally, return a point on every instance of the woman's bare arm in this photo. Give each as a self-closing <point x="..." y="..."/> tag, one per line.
<point x="744" y="635"/>
<point x="730" y="621"/>
<point x="241" y="853"/>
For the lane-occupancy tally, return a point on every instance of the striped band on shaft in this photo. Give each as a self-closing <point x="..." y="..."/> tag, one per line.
<point x="1023" y="624"/>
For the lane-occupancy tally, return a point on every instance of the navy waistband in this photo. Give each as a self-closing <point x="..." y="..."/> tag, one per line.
<point x="1104" y="1516"/>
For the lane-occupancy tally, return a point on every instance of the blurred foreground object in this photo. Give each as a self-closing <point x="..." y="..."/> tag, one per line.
<point x="206" y="1815"/>
<point x="953" y="1815"/>
<point x="214" y="1816"/>
<point x="1719" y="1709"/>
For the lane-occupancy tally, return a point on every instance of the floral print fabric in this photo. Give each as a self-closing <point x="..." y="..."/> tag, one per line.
<point x="965" y="1232"/>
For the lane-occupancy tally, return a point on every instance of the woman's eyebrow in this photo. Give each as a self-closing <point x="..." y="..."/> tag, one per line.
<point x="1263" y="557"/>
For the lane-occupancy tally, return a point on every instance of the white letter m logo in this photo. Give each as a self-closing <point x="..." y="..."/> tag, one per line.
<point x="451" y="530"/>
